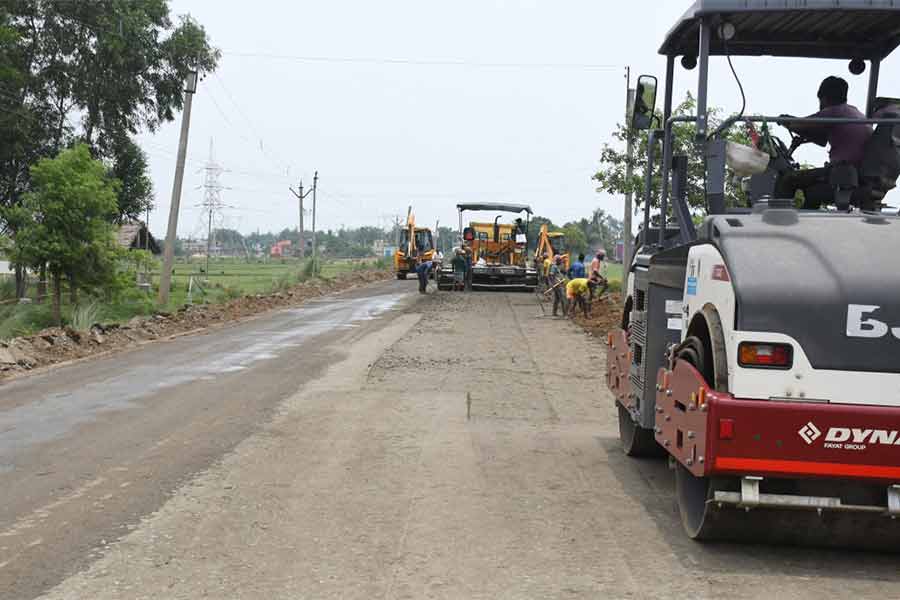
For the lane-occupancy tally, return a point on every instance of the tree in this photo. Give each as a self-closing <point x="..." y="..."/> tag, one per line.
<point x="129" y="166"/>
<point x="576" y="241"/>
<point x="447" y="239"/>
<point x="611" y="178"/>
<point x="97" y="72"/>
<point x="534" y="227"/>
<point x="606" y="230"/>
<point x="64" y="222"/>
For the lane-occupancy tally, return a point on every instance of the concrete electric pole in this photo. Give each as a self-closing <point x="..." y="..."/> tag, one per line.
<point x="629" y="172"/>
<point x="300" y="197"/>
<point x="165" y="277"/>
<point x="315" y="187"/>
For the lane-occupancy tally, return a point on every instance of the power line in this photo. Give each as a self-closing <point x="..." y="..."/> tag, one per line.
<point x="425" y="62"/>
<point x="280" y="167"/>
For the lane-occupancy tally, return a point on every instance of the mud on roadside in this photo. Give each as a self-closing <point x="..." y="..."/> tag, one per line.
<point x="56" y="345"/>
<point x="606" y="315"/>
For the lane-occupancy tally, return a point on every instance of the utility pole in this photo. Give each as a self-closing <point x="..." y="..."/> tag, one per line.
<point x="300" y="197"/>
<point x="315" y="187"/>
<point x="165" y="277"/>
<point x="629" y="172"/>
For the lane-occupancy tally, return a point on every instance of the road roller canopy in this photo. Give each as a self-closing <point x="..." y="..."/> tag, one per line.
<point x="839" y="29"/>
<point x="496" y="206"/>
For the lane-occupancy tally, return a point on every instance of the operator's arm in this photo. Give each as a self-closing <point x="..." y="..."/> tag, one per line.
<point x="815" y="133"/>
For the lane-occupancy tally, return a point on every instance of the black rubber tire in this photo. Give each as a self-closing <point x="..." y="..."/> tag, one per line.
<point x="401" y="276"/>
<point x="637" y="442"/>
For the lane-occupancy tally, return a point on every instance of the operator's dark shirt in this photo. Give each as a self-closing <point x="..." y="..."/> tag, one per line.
<point x="847" y="142"/>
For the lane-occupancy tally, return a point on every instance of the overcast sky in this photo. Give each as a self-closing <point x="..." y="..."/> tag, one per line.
<point x="429" y="103"/>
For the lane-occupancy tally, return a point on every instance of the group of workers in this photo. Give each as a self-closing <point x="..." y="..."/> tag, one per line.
<point x="576" y="287"/>
<point x="572" y="289"/>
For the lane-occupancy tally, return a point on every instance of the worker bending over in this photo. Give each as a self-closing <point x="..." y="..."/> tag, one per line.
<point x="423" y="270"/>
<point x="576" y="293"/>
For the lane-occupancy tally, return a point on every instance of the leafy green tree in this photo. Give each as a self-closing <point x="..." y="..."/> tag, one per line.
<point x="129" y="166"/>
<point x="612" y="176"/>
<point x="576" y="241"/>
<point x="534" y="230"/>
<point x="601" y="231"/>
<point x="97" y="72"/>
<point x="447" y="239"/>
<point x="65" y="223"/>
<point x="229" y="239"/>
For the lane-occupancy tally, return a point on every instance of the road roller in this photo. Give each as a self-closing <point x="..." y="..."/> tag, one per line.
<point x="759" y="347"/>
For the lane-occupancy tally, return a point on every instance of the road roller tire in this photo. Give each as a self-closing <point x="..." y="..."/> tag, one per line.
<point x="637" y="442"/>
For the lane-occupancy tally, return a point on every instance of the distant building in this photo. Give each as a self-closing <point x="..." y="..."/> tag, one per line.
<point x="194" y="247"/>
<point x="136" y="236"/>
<point x="280" y="249"/>
<point x="6" y="269"/>
<point x="378" y="247"/>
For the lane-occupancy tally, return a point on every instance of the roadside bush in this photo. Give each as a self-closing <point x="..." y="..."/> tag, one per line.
<point x="85" y="316"/>
<point x="382" y="264"/>
<point x="231" y="292"/>
<point x="24" y="319"/>
<point x="284" y="282"/>
<point x="311" y="267"/>
<point x="7" y="288"/>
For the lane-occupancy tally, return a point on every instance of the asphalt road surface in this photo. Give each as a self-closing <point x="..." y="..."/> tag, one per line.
<point x="87" y="450"/>
<point x="381" y="445"/>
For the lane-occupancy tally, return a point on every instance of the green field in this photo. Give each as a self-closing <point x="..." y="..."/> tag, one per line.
<point x="614" y="272"/>
<point x="227" y="279"/>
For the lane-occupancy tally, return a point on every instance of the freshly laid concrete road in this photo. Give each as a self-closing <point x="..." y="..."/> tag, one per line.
<point x="384" y="445"/>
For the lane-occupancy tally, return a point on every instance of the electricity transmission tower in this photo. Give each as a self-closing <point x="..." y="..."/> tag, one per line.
<point x="212" y="201"/>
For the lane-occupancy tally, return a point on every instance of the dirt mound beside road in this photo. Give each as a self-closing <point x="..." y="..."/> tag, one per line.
<point x="606" y="315"/>
<point x="55" y="345"/>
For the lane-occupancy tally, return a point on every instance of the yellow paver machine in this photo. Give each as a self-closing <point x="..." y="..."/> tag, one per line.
<point x="499" y="251"/>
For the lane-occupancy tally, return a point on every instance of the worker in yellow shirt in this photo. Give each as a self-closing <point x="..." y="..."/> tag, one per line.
<point x="576" y="290"/>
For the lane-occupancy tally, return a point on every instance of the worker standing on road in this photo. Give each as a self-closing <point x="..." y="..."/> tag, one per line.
<point x="468" y="256"/>
<point x="459" y="269"/>
<point x="544" y="271"/>
<point x="556" y="281"/>
<point x="577" y="271"/>
<point x="423" y="270"/>
<point x="576" y="290"/>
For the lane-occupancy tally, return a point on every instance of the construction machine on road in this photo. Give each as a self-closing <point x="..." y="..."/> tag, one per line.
<point x="760" y="351"/>
<point x="498" y="251"/>
<point x="416" y="246"/>
<point x="552" y="243"/>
